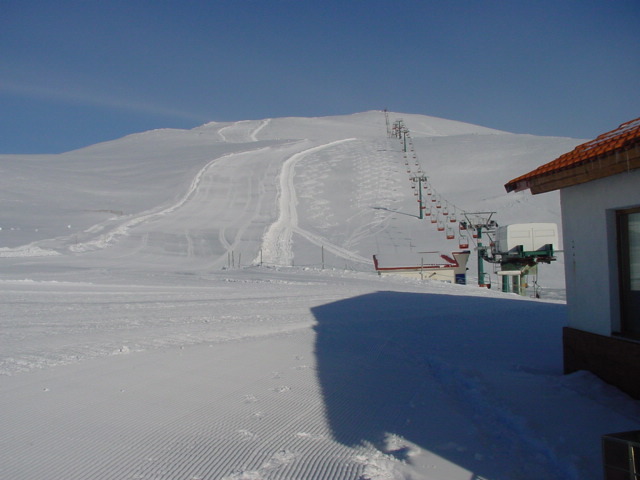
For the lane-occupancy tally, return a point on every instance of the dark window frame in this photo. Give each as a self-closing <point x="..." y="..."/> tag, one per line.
<point x="628" y="327"/>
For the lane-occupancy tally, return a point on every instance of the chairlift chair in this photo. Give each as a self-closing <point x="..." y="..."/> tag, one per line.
<point x="450" y="234"/>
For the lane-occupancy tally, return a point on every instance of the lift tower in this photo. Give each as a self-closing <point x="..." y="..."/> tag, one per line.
<point x="479" y="223"/>
<point x="419" y="179"/>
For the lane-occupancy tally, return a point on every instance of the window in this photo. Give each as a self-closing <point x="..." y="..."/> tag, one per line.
<point x="629" y="268"/>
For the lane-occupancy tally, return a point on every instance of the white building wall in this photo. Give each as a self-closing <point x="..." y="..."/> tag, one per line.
<point x="589" y="230"/>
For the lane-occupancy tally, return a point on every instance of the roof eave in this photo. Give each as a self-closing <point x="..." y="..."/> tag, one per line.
<point x="613" y="163"/>
<point x="516" y="186"/>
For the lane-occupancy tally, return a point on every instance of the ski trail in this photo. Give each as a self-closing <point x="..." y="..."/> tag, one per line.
<point x="222" y="136"/>
<point x="123" y="229"/>
<point x="242" y="131"/>
<point x="260" y="127"/>
<point x="277" y="245"/>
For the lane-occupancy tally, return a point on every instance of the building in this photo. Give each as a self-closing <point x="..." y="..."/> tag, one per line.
<point x="599" y="183"/>
<point x="425" y="266"/>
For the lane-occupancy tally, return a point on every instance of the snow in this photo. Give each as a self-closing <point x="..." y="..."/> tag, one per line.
<point x="202" y="304"/>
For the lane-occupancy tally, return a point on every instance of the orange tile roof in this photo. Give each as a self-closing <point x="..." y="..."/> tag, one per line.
<point x="621" y="138"/>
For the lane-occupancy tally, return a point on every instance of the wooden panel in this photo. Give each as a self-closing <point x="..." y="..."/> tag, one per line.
<point x="614" y="359"/>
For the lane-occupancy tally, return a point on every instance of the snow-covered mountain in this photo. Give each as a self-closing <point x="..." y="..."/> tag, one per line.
<point x="141" y="338"/>
<point x="284" y="191"/>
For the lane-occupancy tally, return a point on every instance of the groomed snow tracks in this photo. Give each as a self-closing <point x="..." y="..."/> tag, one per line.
<point x="277" y="245"/>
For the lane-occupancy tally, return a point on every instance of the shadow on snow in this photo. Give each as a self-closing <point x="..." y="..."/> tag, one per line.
<point x="422" y="366"/>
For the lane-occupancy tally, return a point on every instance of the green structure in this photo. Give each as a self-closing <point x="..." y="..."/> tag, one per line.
<point x="519" y="249"/>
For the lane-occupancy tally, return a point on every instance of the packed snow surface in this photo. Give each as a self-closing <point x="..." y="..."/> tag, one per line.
<point x="202" y="304"/>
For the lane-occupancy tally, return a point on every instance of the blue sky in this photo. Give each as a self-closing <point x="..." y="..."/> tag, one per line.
<point x="74" y="73"/>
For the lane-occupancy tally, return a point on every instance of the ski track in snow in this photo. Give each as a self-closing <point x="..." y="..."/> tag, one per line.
<point x="268" y="424"/>
<point x="277" y="248"/>
<point x="122" y="230"/>
<point x="242" y="131"/>
<point x="220" y="381"/>
<point x="277" y="244"/>
<point x="222" y="135"/>
<point x="374" y="184"/>
<point x="31" y="250"/>
<point x="260" y="127"/>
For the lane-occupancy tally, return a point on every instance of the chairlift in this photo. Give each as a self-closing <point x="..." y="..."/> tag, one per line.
<point x="450" y="234"/>
<point x="463" y="241"/>
<point x="440" y="226"/>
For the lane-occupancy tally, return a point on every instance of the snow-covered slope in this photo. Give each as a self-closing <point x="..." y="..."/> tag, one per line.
<point x="328" y="191"/>
<point x="153" y="326"/>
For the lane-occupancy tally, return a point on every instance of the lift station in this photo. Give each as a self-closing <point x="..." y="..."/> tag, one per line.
<point x="518" y="249"/>
<point x="515" y="250"/>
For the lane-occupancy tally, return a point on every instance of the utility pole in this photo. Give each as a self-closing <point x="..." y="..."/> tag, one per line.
<point x="386" y="118"/>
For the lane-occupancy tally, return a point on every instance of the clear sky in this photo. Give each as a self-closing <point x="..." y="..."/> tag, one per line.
<point x="74" y="73"/>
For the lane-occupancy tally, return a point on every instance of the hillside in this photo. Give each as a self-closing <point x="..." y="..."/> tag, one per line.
<point x="201" y="305"/>
<point x="286" y="191"/>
